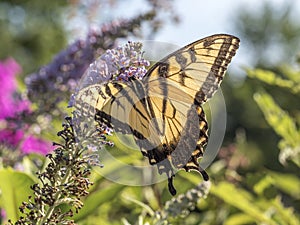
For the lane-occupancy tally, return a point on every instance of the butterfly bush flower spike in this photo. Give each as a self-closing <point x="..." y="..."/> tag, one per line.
<point x="118" y="64"/>
<point x="47" y="85"/>
<point x="126" y="62"/>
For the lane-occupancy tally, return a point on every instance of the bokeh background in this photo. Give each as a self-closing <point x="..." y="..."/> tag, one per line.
<point x="254" y="179"/>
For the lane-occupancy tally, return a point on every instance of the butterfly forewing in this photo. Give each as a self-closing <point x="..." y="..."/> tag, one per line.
<point x="199" y="67"/>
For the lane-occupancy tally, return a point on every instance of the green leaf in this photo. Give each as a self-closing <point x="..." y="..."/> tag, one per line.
<point x="286" y="182"/>
<point x="15" y="188"/>
<point x="241" y="200"/>
<point x="143" y="205"/>
<point x="263" y="184"/>
<point x="283" y="125"/>
<point x="279" y="119"/>
<point x="284" y="215"/>
<point x="239" y="218"/>
<point x="272" y="78"/>
<point x="95" y="199"/>
<point x="290" y="73"/>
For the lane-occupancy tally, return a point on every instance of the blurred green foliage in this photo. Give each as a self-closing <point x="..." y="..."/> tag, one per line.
<point x="270" y="38"/>
<point x="255" y="179"/>
<point x="12" y="184"/>
<point x="270" y="33"/>
<point x="32" y="32"/>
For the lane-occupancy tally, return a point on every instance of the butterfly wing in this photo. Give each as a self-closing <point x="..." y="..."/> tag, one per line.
<point x="164" y="111"/>
<point x="197" y="68"/>
<point x="191" y="75"/>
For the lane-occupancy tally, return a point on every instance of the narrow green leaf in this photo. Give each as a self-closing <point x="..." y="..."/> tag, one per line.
<point x="283" y="125"/>
<point x="278" y="119"/>
<point x="272" y="78"/>
<point x="143" y="205"/>
<point x="239" y="218"/>
<point x="96" y="199"/>
<point x="241" y="200"/>
<point x="284" y="215"/>
<point x="15" y="188"/>
<point x="263" y="184"/>
<point x="289" y="72"/>
<point x="286" y="182"/>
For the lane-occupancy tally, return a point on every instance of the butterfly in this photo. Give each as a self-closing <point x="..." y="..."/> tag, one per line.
<point x="164" y="110"/>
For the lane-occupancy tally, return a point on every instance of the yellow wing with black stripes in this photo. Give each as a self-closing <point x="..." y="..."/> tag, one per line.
<point x="164" y="110"/>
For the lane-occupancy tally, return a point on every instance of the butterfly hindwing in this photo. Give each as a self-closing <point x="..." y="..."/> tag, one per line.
<point x="190" y="75"/>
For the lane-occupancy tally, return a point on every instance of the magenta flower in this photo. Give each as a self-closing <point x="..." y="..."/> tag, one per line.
<point x="33" y="144"/>
<point x="10" y="136"/>
<point x="11" y="106"/>
<point x="8" y="103"/>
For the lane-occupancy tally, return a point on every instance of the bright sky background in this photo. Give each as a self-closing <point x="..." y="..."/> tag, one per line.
<point x="201" y="18"/>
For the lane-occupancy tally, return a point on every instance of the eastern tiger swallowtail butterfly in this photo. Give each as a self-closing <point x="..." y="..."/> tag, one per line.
<point x="164" y="110"/>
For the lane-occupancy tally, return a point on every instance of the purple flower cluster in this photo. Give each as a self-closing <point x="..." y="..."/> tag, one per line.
<point x="125" y="62"/>
<point x="122" y="64"/>
<point x="50" y="85"/>
<point x="12" y="108"/>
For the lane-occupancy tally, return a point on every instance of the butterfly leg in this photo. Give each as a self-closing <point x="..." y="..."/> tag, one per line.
<point x="165" y="166"/>
<point x="171" y="187"/>
<point x="204" y="174"/>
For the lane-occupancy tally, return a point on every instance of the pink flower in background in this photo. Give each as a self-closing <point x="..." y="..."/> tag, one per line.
<point x="11" y="136"/>
<point x="10" y="107"/>
<point x="33" y="144"/>
<point x="8" y="103"/>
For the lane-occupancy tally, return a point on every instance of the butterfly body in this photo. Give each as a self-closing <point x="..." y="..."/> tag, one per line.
<point x="164" y="110"/>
